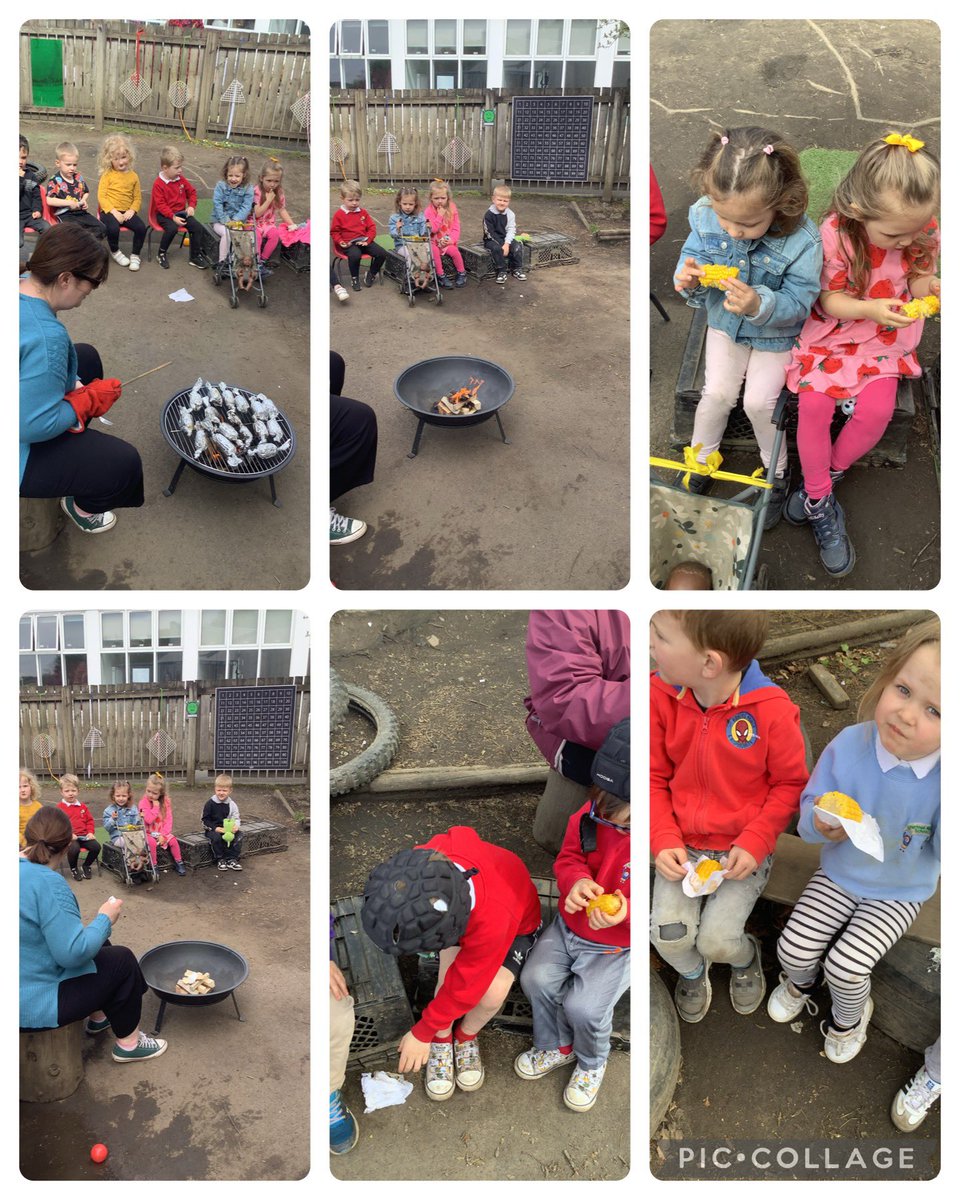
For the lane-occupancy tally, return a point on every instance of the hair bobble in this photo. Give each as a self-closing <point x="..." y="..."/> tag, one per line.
<point x="768" y="149"/>
<point x="724" y="141"/>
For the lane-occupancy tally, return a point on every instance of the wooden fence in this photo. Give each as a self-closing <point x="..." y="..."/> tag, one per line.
<point x="273" y="71"/>
<point x="423" y="123"/>
<point x="107" y="731"/>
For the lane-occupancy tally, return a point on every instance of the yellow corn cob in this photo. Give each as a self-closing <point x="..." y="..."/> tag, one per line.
<point x="926" y="306"/>
<point x="706" y="867"/>
<point x="606" y="903"/>
<point x="841" y="806"/>
<point x="714" y="275"/>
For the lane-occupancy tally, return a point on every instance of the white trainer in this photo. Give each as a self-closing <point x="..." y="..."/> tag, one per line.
<point x="914" y="1100"/>
<point x="469" y="1067"/>
<point x="842" y="1047"/>
<point x="786" y="1003"/>
<point x="120" y="258"/>
<point x="134" y="262"/>
<point x="534" y="1063"/>
<point x="341" y="292"/>
<point x="439" y="1075"/>
<point x="580" y="1093"/>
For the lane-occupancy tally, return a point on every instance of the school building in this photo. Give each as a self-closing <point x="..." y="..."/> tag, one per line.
<point x="453" y="53"/>
<point x="97" y="646"/>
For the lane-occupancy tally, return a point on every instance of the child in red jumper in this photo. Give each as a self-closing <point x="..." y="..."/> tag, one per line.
<point x="727" y="766"/>
<point x="174" y="201"/>
<point x="476" y="904"/>
<point x="81" y="820"/>
<point x="581" y="966"/>
<point x="353" y="231"/>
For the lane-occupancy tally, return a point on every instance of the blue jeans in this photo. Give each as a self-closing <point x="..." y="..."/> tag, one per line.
<point x="573" y="986"/>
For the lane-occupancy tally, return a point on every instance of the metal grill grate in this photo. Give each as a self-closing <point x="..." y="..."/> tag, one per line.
<point x="212" y="461"/>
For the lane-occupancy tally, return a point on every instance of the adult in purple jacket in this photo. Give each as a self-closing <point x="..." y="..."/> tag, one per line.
<point x="578" y="663"/>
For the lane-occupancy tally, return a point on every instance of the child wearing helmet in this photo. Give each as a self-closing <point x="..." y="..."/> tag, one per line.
<point x="581" y="966"/>
<point x="475" y="903"/>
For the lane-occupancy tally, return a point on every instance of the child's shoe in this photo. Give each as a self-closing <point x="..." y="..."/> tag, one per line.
<point x="698" y="485"/>
<point x="519" y="274"/>
<point x="120" y="258"/>
<point x="201" y="262"/>
<point x="469" y="1068"/>
<point x="444" y="281"/>
<point x="86" y="871"/>
<point x="794" y="511"/>
<point x="146" y="1047"/>
<point x="778" y="499"/>
<point x="341" y="292"/>
<point x="580" y="1094"/>
<point x="355" y="284"/>
<point x="534" y="1063"/>
<point x="693" y="996"/>
<point x="786" y="1002"/>
<point x="461" y="279"/>
<point x="75" y="872"/>
<point x="162" y="259"/>
<point x="134" y="262"/>
<point x="501" y="277"/>
<point x="222" y="864"/>
<point x="180" y="868"/>
<point x="368" y="279"/>
<point x="842" y="1047"/>
<point x="913" y="1101"/>
<point x="234" y="864"/>
<point x="344" y="1131"/>
<point x="747" y="984"/>
<point x="439" y="1076"/>
<point x="829" y="528"/>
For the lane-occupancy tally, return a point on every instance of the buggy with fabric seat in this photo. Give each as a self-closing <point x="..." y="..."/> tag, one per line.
<point x="243" y="259"/>
<point x="419" y="273"/>
<point x="135" y="856"/>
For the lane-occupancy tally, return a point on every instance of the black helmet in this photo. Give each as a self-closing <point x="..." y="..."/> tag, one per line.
<point x="611" y="764"/>
<point x="416" y="901"/>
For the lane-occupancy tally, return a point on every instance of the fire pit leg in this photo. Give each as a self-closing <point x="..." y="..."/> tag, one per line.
<point x="159" y="1021"/>
<point x="233" y="997"/>
<point x="168" y="491"/>
<point x="273" y="493"/>
<point x="506" y="440"/>
<point x="416" y="440"/>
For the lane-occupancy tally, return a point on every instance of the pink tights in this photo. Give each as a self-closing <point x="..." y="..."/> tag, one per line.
<point x="861" y="433"/>
<point x="172" y="845"/>
<point x="269" y="238"/>
<point x="452" y="251"/>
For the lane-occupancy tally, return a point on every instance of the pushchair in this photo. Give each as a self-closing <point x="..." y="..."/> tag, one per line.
<point x="419" y="274"/>
<point x="243" y="257"/>
<point x="722" y="534"/>
<point x="135" y="856"/>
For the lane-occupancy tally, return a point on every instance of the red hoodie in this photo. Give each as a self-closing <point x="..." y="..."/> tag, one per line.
<point x="81" y="819"/>
<point x="506" y="906"/>
<point x="732" y="773"/>
<point x="608" y="865"/>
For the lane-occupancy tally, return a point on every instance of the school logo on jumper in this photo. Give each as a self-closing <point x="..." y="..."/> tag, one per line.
<point x="625" y="873"/>
<point x="742" y="730"/>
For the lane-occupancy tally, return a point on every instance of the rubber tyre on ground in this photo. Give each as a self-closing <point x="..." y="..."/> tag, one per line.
<point x="369" y="763"/>
<point x="339" y="700"/>
<point x="664" y="1050"/>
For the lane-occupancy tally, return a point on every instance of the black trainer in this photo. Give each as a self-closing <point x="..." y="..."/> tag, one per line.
<point x="794" y="511"/>
<point x="355" y="284"/>
<point x="162" y="259"/>
<point x="778" y="499"/>
<point x="699" y="485"/>
<point x="829" y="528"/>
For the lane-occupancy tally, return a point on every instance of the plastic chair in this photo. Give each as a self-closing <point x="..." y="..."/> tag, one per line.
<point x="154" y="224"/>
<point x="339" y="258"/>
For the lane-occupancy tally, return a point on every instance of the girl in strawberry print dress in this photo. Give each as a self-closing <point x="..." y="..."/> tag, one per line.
<point x="880" y="243"/>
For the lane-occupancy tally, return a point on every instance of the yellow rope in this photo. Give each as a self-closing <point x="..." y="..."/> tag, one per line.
<point x="711" y="467"/>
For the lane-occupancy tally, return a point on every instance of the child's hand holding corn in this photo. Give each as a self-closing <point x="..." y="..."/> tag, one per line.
<point x="741" y="298"/>
<point x="688" y="277"/>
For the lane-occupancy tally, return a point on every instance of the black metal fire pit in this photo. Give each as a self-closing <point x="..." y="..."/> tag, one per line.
<point x="419" y="388"/>
<point x="212" y="462"/>
<point x="164" y="965"/>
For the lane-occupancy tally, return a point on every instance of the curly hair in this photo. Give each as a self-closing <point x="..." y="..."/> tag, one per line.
<point x="752" y="159"/>
<point x="109" y="150"/>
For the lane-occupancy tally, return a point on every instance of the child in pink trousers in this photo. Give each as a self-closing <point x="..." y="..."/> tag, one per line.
<point x="444" y="222"/>
<point x="157" y="813"/>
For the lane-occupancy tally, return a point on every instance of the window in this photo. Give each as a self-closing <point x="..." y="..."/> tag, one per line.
<point x="47" y="632"/>
<point x="141" y="667"/>
<point x="169" y="666"/>
<point x="277" y="626"/>
<point x="418" y="73"/>
<point x="26" y="633"/>
<point x="583" y="37"/>
<point x="75" y="669"/>
<point x="378" y="37"/>
<point x="73" y="631"/>
<point x="621" y="75"/>
<point x="417" y="37"/>
<point x="213" y="627"/>
<point x="579" y="75"/>
<point x="444" y="37"/>
<point x="549" y="37"/>
<point x="111" y="629"/>
<point x="473" y="73"/>
<point x="28" y="669"/>
<point x="381" y="75"/>
<point x="243" y="664"/>
<point x="212" y="665"/>
<point x="351" y="37"/>
<point x="518" y="37"/>
<point x="141" y="629"/>
<point x="623" y="42"/>
<point x="51" y="674"/>
<point x="169" y="627"/>
<point x="113" y="668"/>
<point x="474" y="37"/>
<point x="335" y="73"/>
<point x="354" y="73"/>
<point x="516" y="74"/>
<point x="547" y="74"/>
<point x="245" y="627"/>
<point x="445" y="72"/>
<point x="274" y="664"/>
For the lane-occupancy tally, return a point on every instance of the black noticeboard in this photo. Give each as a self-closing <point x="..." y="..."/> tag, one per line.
<point x="551" y="137"/>
<point x="254" y="728"/>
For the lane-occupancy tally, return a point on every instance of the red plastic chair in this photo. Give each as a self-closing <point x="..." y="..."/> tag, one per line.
<point x="339" y="258"/>
<point x="154" y="225"/>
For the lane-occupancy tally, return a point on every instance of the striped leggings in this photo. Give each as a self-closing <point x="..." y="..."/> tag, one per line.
<point x="867" y="929"/>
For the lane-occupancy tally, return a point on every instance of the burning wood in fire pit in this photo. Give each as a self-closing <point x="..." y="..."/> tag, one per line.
<point x="462" y="402"/>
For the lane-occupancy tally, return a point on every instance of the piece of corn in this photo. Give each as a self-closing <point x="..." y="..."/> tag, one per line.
<point x="606" y="903"/>
<point x="926" y="306"/>
<point x="706" y="867"/>
<point x="714" y="275"/>
<point x="841" y="806"/>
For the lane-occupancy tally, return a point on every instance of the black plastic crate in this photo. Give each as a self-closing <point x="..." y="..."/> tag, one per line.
<point x="259" y="837"/>
<point x="931" y="399"/>
<point x="891" y="450"/>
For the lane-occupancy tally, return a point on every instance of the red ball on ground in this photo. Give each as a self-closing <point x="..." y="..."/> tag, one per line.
<point x="99" y="1152"/>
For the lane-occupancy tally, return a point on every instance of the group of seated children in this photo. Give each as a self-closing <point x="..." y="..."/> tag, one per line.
<point x="475" y="904"/>
<point x="242" y="211"/>
<point x="728" y="776"/>
<point x="413" y="228"/>
<point x="153" y="818"/>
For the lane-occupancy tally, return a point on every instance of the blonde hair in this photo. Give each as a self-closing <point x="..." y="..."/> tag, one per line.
<point x="171" y="156"/>
<point x="503" y="190"/>
<point x="925" y="634"/>
<point x="273" y="166"/>
<point x="694" y="570"/>
<point x="70" y="779"/>
<point x="439" y="186"/>
<point x="65" y="148"/>
<point x="350" y="187"/>
<point x="223" y="779"/>
<point x="34" y="783"/>
<point x="738" y="636"/>
<point x="157" y="778"/>
<point x="109" y="150"/>
<point x="883" y="170"/>
<point x="752" y="159"/>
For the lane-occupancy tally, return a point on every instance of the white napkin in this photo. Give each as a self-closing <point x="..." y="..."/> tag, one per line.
<point x="181" y="297"/>
<point x="383" y="1089"/>
<point x="865" y="834"/>
<point x="694" y="886"/>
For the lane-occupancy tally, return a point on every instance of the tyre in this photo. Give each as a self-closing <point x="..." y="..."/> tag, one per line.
<point x="664" y="1050"/>
<point x="378" y="755"/>
<point x="339" y="700"/>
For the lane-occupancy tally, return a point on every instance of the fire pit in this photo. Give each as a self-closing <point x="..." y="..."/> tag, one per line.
<point x="420" y="387"/>
<point x="164" y="965"/>
<point x="211" y="462"/>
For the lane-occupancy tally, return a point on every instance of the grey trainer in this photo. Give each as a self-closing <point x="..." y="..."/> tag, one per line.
<point x="693" y="996"/>
<point x="794" y="511"/>
<point x="747" y="984"/>
<point x="829" y="528"/>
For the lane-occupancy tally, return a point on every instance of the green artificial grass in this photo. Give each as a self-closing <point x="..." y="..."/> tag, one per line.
<point x="823" y="170"/>
<point x="204" y="210"/>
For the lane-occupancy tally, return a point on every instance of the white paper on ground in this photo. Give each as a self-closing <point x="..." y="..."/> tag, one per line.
<point x="181" y="296"/>
<point x="383" y="1089"/>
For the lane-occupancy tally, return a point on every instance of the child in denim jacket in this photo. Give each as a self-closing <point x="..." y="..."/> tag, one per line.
<point x="408" y="222"/>
<point x="750" y="216"/>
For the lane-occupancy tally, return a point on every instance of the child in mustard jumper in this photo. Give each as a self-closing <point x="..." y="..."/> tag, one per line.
<point x="118" y="194"/>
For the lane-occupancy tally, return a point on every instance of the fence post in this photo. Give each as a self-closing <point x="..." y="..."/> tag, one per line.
<point x="99" y="76"/>
<point x="613" y="144"/>
<point x="66" y="730"/>
<point x="192" y="739"/>
<point x="489" y="144"/>
<point x="360" y="139"/>
<point x="205" y="87"/>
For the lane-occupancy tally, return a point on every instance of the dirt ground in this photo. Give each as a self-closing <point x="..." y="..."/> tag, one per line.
<point x="832" y="84"/>
<point x="549" y="510"/>
<point x="207" y="534"/>
<point x="227" y="1100"/>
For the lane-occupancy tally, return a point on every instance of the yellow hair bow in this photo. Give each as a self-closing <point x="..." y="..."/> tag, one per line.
<point x="899" y="139"/>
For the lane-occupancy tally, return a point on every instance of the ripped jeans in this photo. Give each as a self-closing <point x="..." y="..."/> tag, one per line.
<point x="687" y="930"/>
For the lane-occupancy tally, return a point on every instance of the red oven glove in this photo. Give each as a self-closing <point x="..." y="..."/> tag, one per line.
<point x="92" y="400"/>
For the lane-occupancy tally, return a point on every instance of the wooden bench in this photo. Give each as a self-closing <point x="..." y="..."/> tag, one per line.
<point x="51" y="1063"/>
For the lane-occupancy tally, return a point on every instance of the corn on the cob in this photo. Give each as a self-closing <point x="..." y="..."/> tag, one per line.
<point x="925" y="306"/>
<point x="714" y="274"/>
<point x="841" y="806"/>
<point x="606" y="903"/>
<point x="706" y="867"/>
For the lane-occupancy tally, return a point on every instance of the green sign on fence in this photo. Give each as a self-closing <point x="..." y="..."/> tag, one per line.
<point x="489" y="116"/>
<point x="193" y="708"/>
<point x="46" y="72"/>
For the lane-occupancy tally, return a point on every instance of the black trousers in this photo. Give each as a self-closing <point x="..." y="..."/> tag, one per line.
<point x="171" y="229"/>
<point x="77" y="216"/>
<point x="117" y="988"/>
<point x="378" y="256"/>
<point x="219" y="848"/>
<point x="135" y="225"/>
<point x="90" y="844"/>
<point x="99" y="471"/>
<point x="353" y="436"/>
<point x="504" y="262"/>
<point x="37" y="224"/>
